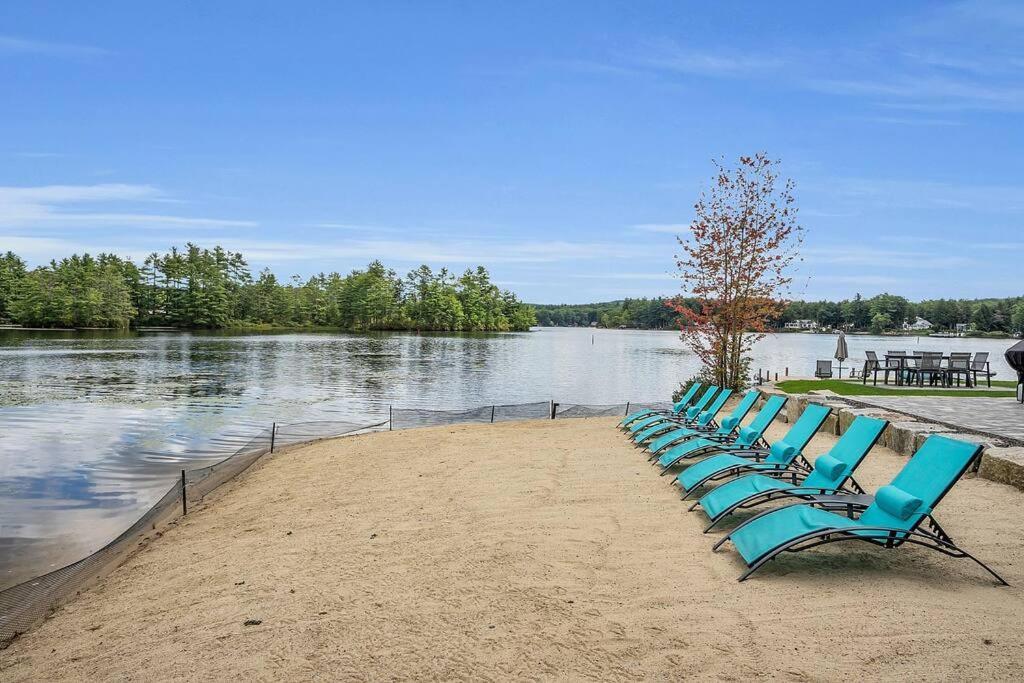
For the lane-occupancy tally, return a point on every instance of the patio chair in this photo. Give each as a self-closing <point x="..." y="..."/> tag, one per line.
<point x="750" y="436"/>
<point x="980" y="366"/>
<point x="874" y="366"/>
<point x="697" y="448"/>
<point x="823" y="369"/>
<point x="959" y="366"/>
<point x="703" y="421"/>
<point x="783" y="454"/>
<point x="706" y="425"/>
<point x="890" y="519"/>
<point x="929" y="368"/>
<point x="832" y="474"/>
<point x="676" y="408"/>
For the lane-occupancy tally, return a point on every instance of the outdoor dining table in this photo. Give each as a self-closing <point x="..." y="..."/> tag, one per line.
<point x="903" y="358"/>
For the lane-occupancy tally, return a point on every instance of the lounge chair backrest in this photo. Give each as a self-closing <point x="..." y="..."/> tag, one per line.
<point x="753" y="431"/>
<point x="802" y="431"/>
<point x="707" y="415"/>
<point x="980" y="360"/>
<point x="832" y="468"/>
<point x="824" y="368"/>
<point x="687" y="397"/>
<point x="705" y="398"/>
<point x="872" y="360"/>
<point x="931" y="360"/>
<point x="921" y="484"/>
<point x="893" y="362"/>
<point x="959" y="361"/>
<point x="733" y="419"/>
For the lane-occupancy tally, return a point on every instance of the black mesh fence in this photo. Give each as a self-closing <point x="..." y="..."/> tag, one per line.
<point x="27" y="603"/>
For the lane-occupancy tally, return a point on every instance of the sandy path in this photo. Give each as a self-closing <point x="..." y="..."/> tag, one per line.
<point x="527" y="550"/>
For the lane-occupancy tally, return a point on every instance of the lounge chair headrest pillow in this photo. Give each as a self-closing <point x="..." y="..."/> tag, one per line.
<point x="829" y="466"/>
<point x="897" y="502"/>
<point x="782" y="450"/>
<point x="692" y="412"/>
<point x="705" y="416"/>
<point x="747" y="435"/>
<point x="729" y="423"/>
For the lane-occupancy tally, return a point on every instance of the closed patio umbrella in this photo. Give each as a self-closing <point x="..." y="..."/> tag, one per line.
<point x="842" y="352"/>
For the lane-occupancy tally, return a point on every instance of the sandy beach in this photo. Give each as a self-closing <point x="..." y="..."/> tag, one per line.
<point x="536" y="550"/>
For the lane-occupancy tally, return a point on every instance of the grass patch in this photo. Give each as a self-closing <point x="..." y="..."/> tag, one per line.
<point x="843" y="388"/>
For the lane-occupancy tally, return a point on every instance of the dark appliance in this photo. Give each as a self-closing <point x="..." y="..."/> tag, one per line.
<point x="1015" y="357"/>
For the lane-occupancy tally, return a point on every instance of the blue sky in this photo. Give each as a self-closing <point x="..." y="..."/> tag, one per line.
<point x="560" y="144"/>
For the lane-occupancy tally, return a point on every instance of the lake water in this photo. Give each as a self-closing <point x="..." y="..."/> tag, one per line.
<point x="94" y="427"/>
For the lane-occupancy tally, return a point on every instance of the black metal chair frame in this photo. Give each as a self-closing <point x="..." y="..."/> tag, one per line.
<point x="926" y="367"/>
<point x="934" y="537"/>
<point x="954" y="369"/>
<point x="987" y="372"/>
<point x="819" y="372"/>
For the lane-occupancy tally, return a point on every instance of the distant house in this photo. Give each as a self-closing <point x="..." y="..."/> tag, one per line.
<point x="918" y="324"/>
<point x="802" y="324"/>
<point x="593" y="324"/>
<point x="961" y="328"/>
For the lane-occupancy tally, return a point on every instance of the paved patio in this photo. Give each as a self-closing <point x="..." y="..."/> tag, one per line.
<point x="997" y="416"/>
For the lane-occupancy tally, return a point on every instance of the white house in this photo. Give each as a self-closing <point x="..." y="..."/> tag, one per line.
<point x="802" y="324"/>
<point x="918" y="324"/>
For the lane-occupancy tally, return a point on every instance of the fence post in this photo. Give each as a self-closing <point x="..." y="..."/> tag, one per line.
<point x="787" y="371"/>
<point x="554" y="407"/>
<point x="776" y="377"/>
<point x="391" y="418"/>
<point x="627" y="409"/>
<point x="273" y="435"/>
<point x="184" y="497"/>
<point x="492" y="414"/>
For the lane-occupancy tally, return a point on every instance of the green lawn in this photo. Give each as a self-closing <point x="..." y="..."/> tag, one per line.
<point x="803" y="386"/>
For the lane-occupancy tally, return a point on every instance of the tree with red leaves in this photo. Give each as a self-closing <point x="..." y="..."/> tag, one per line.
<point x="736" y="263"/>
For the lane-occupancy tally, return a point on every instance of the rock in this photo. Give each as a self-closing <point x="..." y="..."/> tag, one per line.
<point x="1004" y="465"/>
<point x="906" y="437"/>
<point x="252" y="622"/>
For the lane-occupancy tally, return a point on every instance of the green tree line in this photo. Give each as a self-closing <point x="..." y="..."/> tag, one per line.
<point x="888" y="312"/>
<point x="213" y="289"/>
<point x="879" y="314"/>
<point x="648" y="314"/>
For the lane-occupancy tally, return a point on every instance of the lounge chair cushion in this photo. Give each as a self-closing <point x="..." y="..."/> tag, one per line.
<point x="897" y="502"/>
<point x="829" y="466"/>
<point x="781" y="452"/>
<point x="748" y="435"/>
<point x="729" y="422"/>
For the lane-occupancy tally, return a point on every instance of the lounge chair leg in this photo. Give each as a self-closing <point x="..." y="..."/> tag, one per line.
<point x="720" y="542"/>
<point x="694" y="506"/>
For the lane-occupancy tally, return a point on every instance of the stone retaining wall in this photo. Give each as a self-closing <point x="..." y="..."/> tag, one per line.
<point x="905" y="434"/>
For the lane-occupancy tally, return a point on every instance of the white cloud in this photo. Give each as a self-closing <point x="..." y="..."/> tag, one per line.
<point x="47" y="206"/>
<point x="12" y="45"/>
<point x="672" y="228"/>
<point x="669" y="55"/>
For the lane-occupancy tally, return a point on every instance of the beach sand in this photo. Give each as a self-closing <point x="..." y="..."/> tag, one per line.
<point x="524" y="550"/>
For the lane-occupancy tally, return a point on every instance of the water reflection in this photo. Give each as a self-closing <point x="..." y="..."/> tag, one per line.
<point x="94" y="427"/>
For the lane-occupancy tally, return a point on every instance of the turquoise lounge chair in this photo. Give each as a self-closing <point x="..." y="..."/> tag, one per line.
<point x="782" y="455"/>
<point x="890" y="519"/>
<point x="655" y="416"/>
<point x="676" y="408"/>
<point x="832" y="474"/>
<point x="704" y="421"/>
<point x="728" y="425"/>
<point x="749" y="437"/>
<point x="693" y="410"/>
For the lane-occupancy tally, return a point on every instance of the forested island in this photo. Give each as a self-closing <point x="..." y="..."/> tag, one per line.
<point x="197" y="288"/>
<point x="884" y="313"/>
